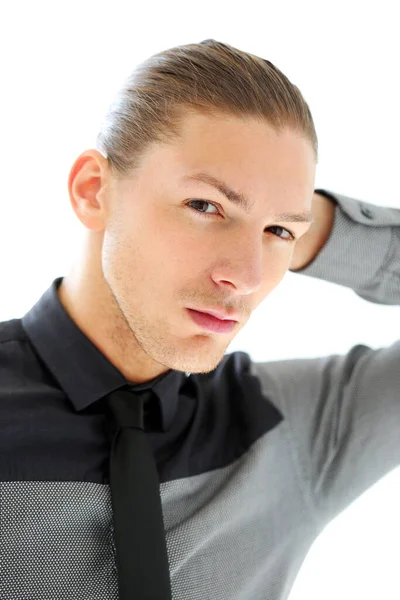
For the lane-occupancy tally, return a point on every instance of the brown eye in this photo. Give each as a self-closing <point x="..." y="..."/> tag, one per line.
<point x="203" y="202"/>
<point x="291" y="236"/>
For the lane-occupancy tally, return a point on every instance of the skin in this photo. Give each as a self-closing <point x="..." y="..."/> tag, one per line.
<point x="147" y="255"/>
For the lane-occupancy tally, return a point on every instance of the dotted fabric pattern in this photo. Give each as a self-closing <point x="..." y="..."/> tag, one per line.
<point x="56" y="541"/>
<point x="57" y="537"/>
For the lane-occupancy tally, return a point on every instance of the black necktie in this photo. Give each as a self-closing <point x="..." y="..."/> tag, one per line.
<point x="142" y="560"/>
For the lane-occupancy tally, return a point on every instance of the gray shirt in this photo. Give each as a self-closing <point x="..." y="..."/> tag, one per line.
<point x="254" y="459"/>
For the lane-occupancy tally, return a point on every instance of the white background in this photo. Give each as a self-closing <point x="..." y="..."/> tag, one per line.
<point x="62" y="63"/>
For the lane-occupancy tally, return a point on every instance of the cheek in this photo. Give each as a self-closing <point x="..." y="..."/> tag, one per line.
<point x="181" y="250"/>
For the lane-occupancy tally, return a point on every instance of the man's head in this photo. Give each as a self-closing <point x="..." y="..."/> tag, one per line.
<point x="159" y="240"/>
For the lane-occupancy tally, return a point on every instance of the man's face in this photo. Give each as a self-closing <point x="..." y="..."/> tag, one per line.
<point x="173" y="243"/>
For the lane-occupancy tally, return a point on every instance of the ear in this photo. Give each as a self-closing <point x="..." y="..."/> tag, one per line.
<point x="87" y="184"/>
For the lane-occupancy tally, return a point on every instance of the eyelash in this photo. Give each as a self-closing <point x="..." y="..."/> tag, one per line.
<point x="208" y="215"/>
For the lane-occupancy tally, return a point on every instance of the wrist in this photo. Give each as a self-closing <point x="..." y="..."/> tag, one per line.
<point x="310" y="244"/>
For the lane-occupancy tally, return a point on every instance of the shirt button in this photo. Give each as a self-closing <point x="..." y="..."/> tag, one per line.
<point x="366" y="212"/>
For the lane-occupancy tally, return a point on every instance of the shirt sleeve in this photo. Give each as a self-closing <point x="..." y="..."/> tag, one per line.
<point x="362" y="251"/>
<point x="343" y="411"/>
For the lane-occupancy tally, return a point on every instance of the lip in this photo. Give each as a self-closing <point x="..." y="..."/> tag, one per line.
<point x="219" y="314"/>
<point x="210" y="323"/>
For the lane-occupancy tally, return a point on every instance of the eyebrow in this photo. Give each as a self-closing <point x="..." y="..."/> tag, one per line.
<point x="243" y="203"/>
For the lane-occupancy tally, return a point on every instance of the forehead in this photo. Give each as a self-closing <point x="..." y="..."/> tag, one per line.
<point x="248" y="154"/>
<point x="234" y="133"/>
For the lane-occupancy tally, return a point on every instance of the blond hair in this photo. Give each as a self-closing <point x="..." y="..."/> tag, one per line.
<point x="209" y="77"/>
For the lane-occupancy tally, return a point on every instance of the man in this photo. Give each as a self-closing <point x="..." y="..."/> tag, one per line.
<point x="253" y="459"/>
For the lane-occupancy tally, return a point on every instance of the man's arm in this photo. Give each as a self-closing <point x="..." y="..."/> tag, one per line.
<point x="358" y="247"/>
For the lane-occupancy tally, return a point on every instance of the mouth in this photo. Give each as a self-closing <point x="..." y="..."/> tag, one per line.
<point x="210" y="323"/>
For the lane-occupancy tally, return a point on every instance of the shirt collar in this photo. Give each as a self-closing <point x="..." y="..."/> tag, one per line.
<point x="82" y="371"/>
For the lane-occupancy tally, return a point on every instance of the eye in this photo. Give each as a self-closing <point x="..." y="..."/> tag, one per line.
<point x="291" y="237"/>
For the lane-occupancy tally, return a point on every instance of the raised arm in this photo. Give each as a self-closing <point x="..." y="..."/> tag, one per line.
<point x="352" y="243"/>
